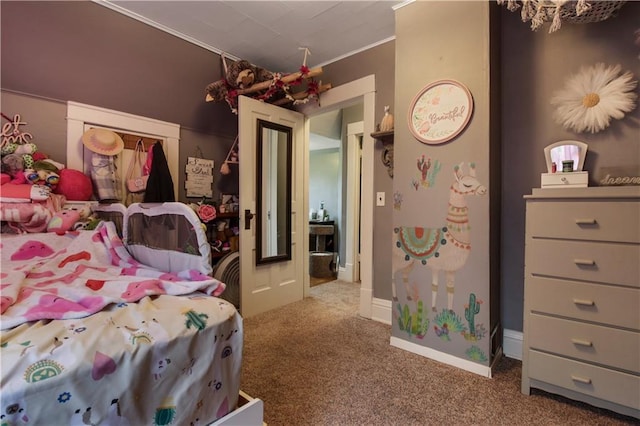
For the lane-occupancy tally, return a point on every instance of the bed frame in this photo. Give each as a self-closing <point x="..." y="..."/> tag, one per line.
<point x="249" y="413"/>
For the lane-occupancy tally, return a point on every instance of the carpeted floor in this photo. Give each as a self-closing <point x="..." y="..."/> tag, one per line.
<point x="317" y="281"/>
<point x="316" y="362"/>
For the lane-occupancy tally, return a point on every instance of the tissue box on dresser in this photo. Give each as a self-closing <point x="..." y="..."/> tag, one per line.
<point x="564" y="180"/>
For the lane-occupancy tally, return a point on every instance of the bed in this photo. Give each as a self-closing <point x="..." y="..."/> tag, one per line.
<point x="99" y="329"/>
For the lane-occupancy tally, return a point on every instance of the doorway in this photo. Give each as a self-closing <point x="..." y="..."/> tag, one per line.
<point x="334" y="194"/>
<point x="357" y="91"/>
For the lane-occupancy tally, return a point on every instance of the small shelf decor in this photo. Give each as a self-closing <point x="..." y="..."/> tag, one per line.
<point x="593" y="96"/>
<point x="386" y="137"/>
<point x="558" y="11"/>
<point x="440" y="111"/>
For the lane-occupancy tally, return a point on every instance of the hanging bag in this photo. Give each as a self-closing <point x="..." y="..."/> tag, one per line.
<point x="136" y="180"/>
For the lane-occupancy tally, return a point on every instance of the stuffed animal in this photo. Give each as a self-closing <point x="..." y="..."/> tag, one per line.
<point x="63" y="221"/>
<point x="216" y="91"/>
<point x="21" y="193"/>
<point x="13" y="165"/>
<point x="242" y="75"/>
<point x="26" y="150"/>
<point x="239" y="75"/>
<point x="43" y="173"/>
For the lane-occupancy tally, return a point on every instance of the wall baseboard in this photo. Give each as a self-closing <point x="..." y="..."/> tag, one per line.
<point x="345" y="273"/>
<point x="511" y="339"/>
<point x="512" y="344"/>
<point x="381" y="310"/>
<point x="443" y="357"/>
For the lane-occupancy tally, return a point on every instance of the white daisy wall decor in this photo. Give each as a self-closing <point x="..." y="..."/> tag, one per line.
<point x="593" y="96"/>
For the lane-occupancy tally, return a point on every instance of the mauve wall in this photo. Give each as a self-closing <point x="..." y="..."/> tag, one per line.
<point x="534" y="66"/>
<point x="83" y="52"/>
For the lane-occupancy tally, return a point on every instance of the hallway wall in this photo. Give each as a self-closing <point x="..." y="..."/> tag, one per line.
<point x="325" y="181"/>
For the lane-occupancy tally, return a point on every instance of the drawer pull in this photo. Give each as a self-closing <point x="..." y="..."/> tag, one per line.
<point x="584" y="262"/>
<point x="582" y="342"/>
<point x="579" y="379"/>
<point x="585" y="222"/>
<point x="584" y="302"/>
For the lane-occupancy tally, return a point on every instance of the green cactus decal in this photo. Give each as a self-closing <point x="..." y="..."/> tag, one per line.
<point x="404" y="320"/>
<point x="431" y="176"/>
<point x="475" y="354"/>
<point x="470" y="313"/>
<point x="413" y="323"/>
<point x="198" y="321"/>
<point x="447" y="322"/>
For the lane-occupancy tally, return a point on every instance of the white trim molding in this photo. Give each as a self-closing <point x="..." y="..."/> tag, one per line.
<point x="443" y="357"/>
<point x="381" y="310"/>
<point x="80" y="116"/>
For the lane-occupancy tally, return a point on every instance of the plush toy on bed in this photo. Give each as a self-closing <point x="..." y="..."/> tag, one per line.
<point x="21" y="193"/>
<point x="44" y="173"/>
<point x="26" y="151"/>
<point x="63" y="221"/>
<point x="13" y="166"/>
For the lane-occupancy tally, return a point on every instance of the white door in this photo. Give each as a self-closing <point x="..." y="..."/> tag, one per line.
<point x="268" y="286"/>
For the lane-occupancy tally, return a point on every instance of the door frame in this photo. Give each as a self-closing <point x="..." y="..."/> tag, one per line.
<point x="362" y="91"/>
<point x="81" y="115"/>
<point x="351" y="272"/>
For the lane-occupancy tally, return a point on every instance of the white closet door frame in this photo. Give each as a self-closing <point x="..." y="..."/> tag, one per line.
<point x="81" y="115"/>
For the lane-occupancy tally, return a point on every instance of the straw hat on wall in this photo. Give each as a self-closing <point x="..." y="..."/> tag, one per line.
<point x="103" y="141"/>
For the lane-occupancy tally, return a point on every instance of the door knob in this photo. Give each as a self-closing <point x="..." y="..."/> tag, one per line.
<point x="247" y="219"/>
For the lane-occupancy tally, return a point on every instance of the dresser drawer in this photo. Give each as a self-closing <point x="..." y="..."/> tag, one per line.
<point x="605" y="304"/>
<point x="598" y="262"/>
<point x="598" y="382"/>
<point x="594" y="343"/>
<point x="584" y="220"/>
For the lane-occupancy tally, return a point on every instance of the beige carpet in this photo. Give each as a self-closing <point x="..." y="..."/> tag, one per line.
<point x="316" y="362"/>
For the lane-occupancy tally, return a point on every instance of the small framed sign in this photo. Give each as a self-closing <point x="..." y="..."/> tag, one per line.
<point x="199" y="177"/>
<point x="440" y="111"/>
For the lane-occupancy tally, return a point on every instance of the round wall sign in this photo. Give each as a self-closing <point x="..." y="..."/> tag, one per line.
<point x="440" y="111"/>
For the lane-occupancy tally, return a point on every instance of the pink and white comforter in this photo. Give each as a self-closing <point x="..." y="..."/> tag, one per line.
<point x="50" y="276"/>
<point x="90" y="336"/>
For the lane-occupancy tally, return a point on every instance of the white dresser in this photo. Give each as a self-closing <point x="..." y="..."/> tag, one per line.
<point x="582" y="296"/>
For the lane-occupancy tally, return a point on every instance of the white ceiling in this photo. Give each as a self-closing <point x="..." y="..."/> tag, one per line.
<point x="270" y="33"/>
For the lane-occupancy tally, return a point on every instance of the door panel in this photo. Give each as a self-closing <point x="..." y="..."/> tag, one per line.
<point x="271" y="285"/>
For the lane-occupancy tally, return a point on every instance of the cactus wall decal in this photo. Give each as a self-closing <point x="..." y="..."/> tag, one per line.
<point x="470" y="312"/>
<point x="447" y="322"/>
<point x="475" y="354"/>
<point x="428" y="172"/>
<point x="413" y="323"/>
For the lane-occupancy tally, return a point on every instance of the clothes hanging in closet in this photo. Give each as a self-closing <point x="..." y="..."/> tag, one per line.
<point x="160" y="184"/>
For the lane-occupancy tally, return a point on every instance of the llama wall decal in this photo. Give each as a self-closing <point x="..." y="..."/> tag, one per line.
<point x="441" y="249"/>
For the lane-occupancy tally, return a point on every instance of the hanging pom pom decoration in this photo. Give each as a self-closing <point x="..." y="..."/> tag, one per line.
<point x="232" y="158"/>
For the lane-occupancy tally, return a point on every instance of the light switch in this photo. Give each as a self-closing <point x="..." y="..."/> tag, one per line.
<point x="380" y="199"/>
